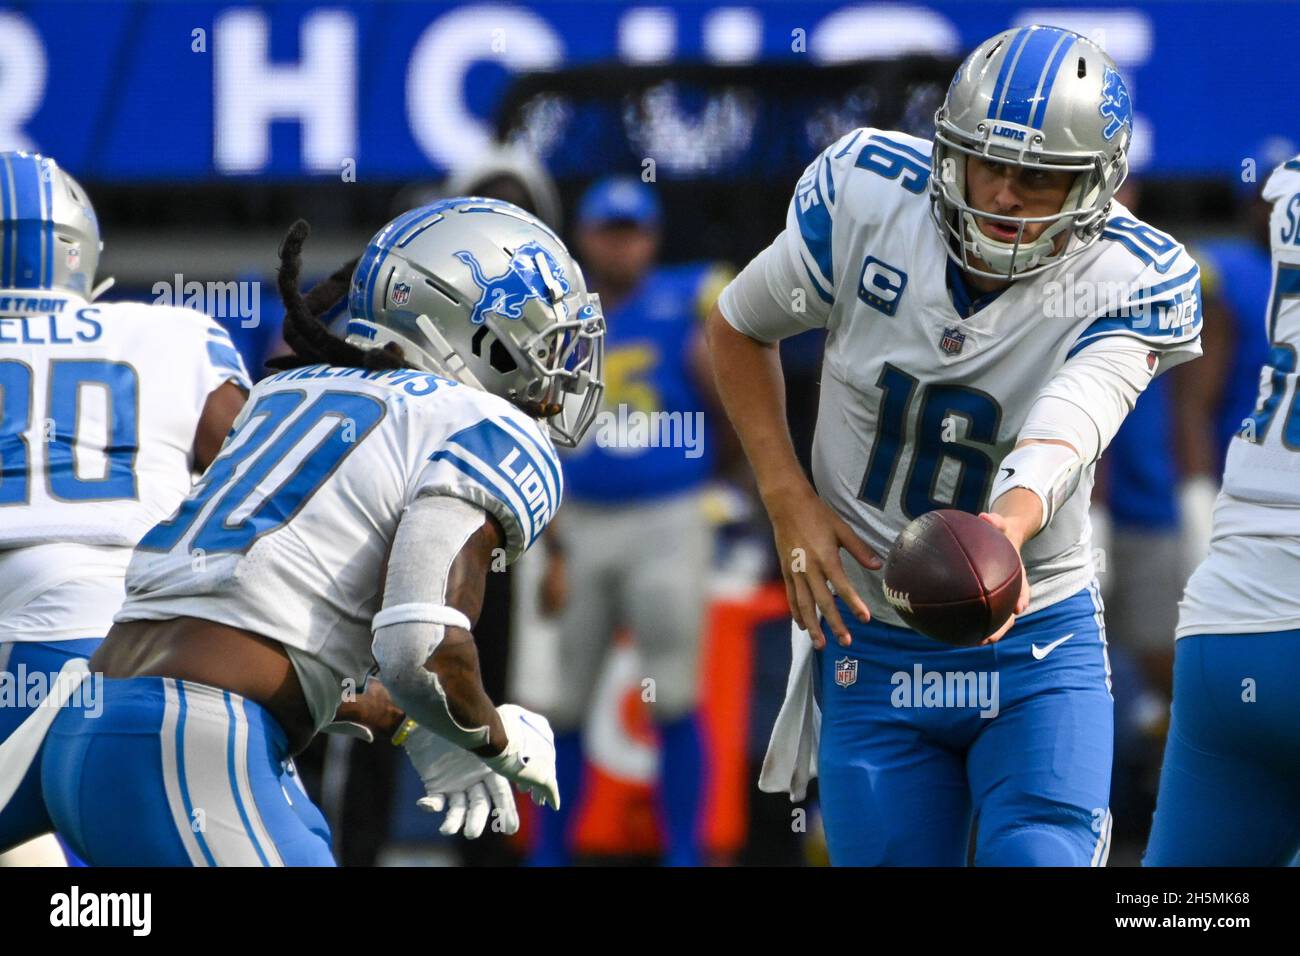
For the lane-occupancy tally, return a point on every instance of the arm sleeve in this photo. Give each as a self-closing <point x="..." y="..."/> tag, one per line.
<point x="1086" y="401"/>
<point x="431" y="533"/>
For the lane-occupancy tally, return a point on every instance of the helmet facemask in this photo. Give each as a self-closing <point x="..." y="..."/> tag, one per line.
<point x="482" y="292"/>
<point x="1082" y="213"/>
<point x="567" y="360"/>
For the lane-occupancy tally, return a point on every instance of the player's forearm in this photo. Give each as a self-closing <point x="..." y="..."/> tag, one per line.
<point x="1038" y="472"/>
<point x="1023" y="513"/>
<point x="433" y="594"/>
<point x="455" y="663"/>
<point x="752" y="391"/>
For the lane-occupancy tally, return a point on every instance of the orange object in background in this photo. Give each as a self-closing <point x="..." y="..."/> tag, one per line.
<point x="619" y="815"/>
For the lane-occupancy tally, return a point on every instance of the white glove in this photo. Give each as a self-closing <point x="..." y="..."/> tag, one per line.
<point x="529" y="757"/>
<point x="456" y="780"/>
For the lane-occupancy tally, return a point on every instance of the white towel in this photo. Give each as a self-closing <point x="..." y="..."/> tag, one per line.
<point x="791" y="759"/>
<point x="18" y="752"/>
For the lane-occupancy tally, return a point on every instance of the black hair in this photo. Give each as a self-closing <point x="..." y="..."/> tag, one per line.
<point x="304" y="332"/>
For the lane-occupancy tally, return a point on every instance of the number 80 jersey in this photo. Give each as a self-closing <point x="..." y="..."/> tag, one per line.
<point x="919" y="402"/>
<point x="287" y="533"/>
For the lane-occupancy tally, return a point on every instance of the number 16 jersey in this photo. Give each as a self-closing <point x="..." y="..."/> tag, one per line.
<point x="919" y="404"/>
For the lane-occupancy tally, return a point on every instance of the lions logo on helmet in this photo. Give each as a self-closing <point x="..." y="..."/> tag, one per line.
<point x="532" y="273"/>
<point x="1038" y="97"/>
<point x="1115" y="106"/>
<point x="484" y="293"/>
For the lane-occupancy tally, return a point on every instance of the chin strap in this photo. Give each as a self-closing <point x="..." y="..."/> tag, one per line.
<point x="103" y="287"/>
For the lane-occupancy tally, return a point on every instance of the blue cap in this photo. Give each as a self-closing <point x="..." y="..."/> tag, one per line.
<point x="619" y="199"/>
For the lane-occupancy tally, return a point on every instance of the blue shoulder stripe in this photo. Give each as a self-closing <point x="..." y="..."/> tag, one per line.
<point x="1141" y="326"/>
<point x="546" y="456"/>
<point x="487" y="485"/>
<point x="817" y="286"/>
<point x="815" y="223"/>
<point x="225" y="356"/>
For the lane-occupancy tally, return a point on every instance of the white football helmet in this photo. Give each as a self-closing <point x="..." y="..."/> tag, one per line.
<point x="51" y="235"/>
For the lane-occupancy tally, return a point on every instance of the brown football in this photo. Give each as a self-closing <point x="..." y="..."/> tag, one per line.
<point x="953" y="577"/>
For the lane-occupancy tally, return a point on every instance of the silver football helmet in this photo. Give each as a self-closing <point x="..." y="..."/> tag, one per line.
<point x="50" y="229"/>
<point x="1039" y="97"/>
<point x="480" y="291"/>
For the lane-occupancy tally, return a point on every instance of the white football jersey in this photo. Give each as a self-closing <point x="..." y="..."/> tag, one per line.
<point x="919" y="405"/>
<point x="1250" y="581"/>
<point x="288" y="532"/>
<point x="100" y="404"/>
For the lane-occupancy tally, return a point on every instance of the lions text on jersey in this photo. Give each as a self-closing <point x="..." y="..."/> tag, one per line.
<point x="287" y="534"/>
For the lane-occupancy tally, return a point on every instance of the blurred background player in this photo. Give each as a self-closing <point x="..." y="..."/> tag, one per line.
<point x="634" y="529"/>
<point x="109" y="409"/>
<point x="1230" y="783"/>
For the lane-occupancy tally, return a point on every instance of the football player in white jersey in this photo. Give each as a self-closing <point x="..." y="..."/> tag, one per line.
<point x="346" y="528"/>
<point x="991" y="316"/>
<point x="106" y="412"/>
<point x="1230" y="782"/>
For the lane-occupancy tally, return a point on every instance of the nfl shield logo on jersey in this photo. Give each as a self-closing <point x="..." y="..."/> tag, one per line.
<point x="953" y="339"/>
<point x="846" y="671"/>
<point x="401" y="293"/>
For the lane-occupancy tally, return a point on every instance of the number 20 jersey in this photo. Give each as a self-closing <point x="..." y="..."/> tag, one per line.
<point x="99" y="405"/>
<point x="288" y="532"/>
<point x="918" y="405"/>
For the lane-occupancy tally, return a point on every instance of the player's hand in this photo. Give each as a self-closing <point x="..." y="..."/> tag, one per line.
<point x="1022" y="603"/>
<point x="529" y="757"/>
<point x="462" y="784"/>
<point x="809" y="536"/>
<point x="372" y="712"/>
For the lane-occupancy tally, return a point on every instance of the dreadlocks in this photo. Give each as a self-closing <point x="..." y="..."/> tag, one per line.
<point x="304" y="332"/>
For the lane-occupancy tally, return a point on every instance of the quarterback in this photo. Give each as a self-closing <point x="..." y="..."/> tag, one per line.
<point x="345" y="530"/>
<point x="991" y="315"/>
<point x="107" y="410"/>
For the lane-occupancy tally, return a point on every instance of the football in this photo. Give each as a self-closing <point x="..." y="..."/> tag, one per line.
<point x="953" y="577"/>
